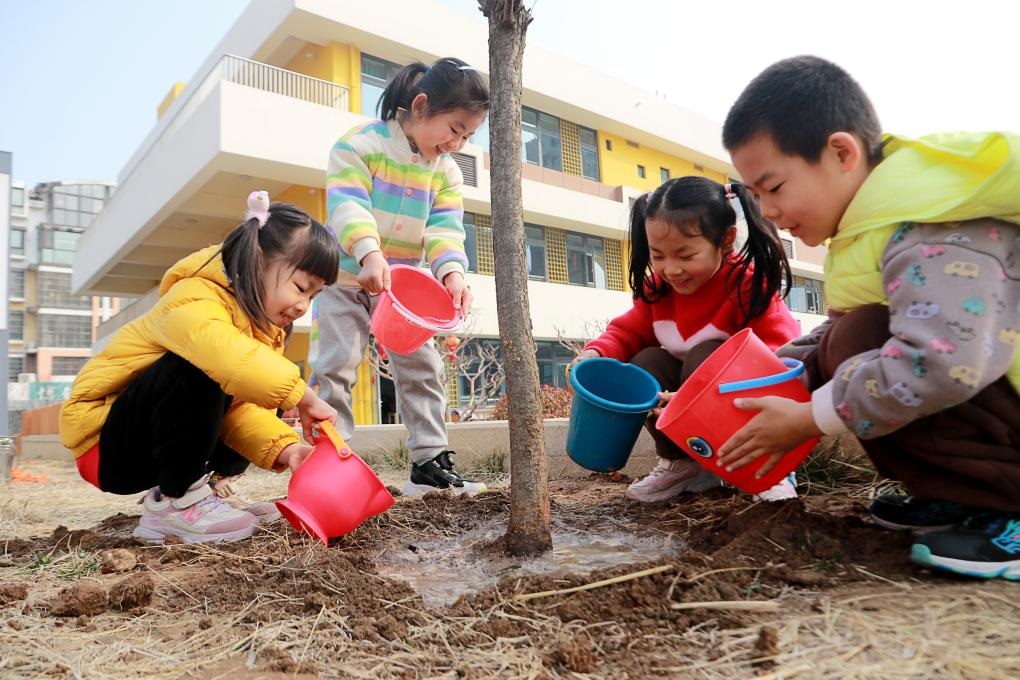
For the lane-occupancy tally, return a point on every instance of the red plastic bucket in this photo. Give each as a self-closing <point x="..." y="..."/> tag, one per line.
<point x="701" y="417"/>
<point x="333" y="491"/>
<point x="415" y="308"/>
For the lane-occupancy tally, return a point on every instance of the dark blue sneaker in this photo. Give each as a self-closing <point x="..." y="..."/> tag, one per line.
<point x="985" y="546"/>
<point x="903" y="513"/>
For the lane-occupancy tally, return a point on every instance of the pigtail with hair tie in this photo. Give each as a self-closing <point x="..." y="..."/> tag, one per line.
<point x="258" y="207"/>
<point x="730" y="194"/>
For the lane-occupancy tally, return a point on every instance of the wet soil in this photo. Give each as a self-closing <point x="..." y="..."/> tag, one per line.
<point x="716" y="546"/>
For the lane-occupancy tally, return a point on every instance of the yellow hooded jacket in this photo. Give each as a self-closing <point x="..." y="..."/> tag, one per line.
<point x="948" y="177"/>
<point x="198" y="318"/>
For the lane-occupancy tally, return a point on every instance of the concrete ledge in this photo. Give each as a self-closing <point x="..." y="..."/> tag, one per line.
<point x="474" y="442"/>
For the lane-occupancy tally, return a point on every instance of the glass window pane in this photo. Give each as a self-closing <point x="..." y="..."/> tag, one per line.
<point x="373" y="67"/>
<point x="529" y="117"/>
<point x="529" y="146"/>
<point x="588" y="138"/>
<point x="470" y="242"/>
<point x="590" y="164"/>
<point x="17" y="197"/>
<point x="370" y="96"/>
<point x="664" y="174"/>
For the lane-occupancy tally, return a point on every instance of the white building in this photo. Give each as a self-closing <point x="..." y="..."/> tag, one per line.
<point x="292" y="75"/>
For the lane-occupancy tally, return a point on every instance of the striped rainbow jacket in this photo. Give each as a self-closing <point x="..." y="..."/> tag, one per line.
<point x="380" y="195"/>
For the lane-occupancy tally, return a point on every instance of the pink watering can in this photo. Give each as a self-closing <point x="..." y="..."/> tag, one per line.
<point x="333" y="491"/>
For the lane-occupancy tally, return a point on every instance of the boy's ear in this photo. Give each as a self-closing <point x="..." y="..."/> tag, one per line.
<point x="847" y="150"/>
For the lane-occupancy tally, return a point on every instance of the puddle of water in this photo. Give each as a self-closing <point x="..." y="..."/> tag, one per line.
<point x="442" y="569"/>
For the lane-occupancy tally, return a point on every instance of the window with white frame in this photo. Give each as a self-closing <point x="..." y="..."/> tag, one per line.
<point x="589" y="154"/>
<point x="586" y="260"/>
<point x="534" y="251"/>
<point x="67" y="365"/>
<point x="16" y="324"/>
<point x="18" y="200"/>
<point x="375" y="73"/>
<point x="16" y="284"/>
<point x="58" y="330"/>
<point x="57" y="246"/>
<point x="540" y="139"/>
<point x="805" y="296"/>
<point x="76" y="205"/>
<point x="54" y="290"/>
<point x="17" y="241"/>
<point x="471" y="241"/>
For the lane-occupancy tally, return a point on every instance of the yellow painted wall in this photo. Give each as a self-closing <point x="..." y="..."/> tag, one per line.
<point x="336" y="62"/>
<point x="297" y="351"/>
<point x="365" y="396"/>
<point x="309" y="199"/>
<point x="619" y="166"/>
<point x="174" y="92"/>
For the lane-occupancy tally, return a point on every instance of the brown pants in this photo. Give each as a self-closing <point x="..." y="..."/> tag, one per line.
<point x="967" y="454"/>
<point x="671" y="374"/>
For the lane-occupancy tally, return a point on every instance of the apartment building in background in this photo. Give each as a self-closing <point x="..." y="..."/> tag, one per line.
<point x="51" y="329"/>
<point x="291" y="76"/>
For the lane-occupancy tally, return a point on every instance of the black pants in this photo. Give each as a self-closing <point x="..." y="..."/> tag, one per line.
<point x="164" y="430"/>
<point x="968" y="454"/>
<point x="671" y="374"/>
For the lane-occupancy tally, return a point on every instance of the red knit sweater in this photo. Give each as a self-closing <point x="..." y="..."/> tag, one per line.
<point x="678" y="322"/>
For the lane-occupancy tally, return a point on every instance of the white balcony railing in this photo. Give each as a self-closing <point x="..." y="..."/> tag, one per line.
<point x="250" y="73"/>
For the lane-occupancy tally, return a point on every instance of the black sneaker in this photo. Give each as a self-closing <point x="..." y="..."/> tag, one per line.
<point x="903" y="513"/>
<point x="986" y="546"/>
<point x="438" y="474"/>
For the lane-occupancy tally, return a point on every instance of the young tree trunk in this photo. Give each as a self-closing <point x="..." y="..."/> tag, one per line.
<point x="529" y="531"/>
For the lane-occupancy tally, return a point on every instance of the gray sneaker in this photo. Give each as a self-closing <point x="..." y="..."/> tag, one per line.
<point x="199" y="516"/>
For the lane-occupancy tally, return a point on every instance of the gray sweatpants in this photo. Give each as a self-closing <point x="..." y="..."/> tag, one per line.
<point x="343" y="318"/>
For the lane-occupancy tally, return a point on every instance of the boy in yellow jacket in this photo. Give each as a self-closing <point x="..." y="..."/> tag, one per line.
<point x="192" y="387"/>
<point x="919" y="359"/>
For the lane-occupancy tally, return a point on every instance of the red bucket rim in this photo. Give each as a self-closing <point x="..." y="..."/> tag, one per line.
<point x="669" y="416"/>
<point x="410" y="315"/>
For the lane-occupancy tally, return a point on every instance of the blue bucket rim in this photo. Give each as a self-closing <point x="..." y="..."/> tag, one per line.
<point x="612" y="405"/>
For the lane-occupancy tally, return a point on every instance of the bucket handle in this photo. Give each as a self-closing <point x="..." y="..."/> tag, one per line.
<point x="796" y="368"/>
<point x="342" y="449"/>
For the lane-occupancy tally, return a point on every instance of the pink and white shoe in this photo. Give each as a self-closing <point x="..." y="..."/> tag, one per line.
<point x="671" y="478"/>
<point x="226" y="488"/>
<point x="782" y="491"/>
<point x="199" y="516"/>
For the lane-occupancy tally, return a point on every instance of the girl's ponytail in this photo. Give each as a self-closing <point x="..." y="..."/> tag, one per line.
<point x="449" y="84"/>
<point x="764" y="250"/>
<point x="642" y="281"/>
<point x="401" y="91"/>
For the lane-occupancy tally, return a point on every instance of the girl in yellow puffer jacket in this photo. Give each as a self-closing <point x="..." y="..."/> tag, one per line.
<point x="192" y="387"/>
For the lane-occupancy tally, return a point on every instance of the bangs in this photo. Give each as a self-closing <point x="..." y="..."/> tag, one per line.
<point x="687" y="221"/>
<point x="317" y="253"/>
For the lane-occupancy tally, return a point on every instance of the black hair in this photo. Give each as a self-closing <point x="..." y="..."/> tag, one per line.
<point x="799" y="102"/>
<point x="289" y="234"/>
<point x="449" y="84"/>
<point x="697" y="206"/>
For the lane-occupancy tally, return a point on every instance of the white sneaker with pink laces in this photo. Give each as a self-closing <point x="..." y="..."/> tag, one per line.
<point x="199" y="516"/>
<point x="671" y="478"/>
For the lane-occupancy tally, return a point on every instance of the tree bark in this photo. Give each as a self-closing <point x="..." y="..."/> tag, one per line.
<point x="529" y="530"/>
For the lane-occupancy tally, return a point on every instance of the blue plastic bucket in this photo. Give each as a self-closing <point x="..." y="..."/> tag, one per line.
<point x="611" y="400"/>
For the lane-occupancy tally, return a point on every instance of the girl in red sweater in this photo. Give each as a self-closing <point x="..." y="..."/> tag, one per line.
<point x="692" y="291"/>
